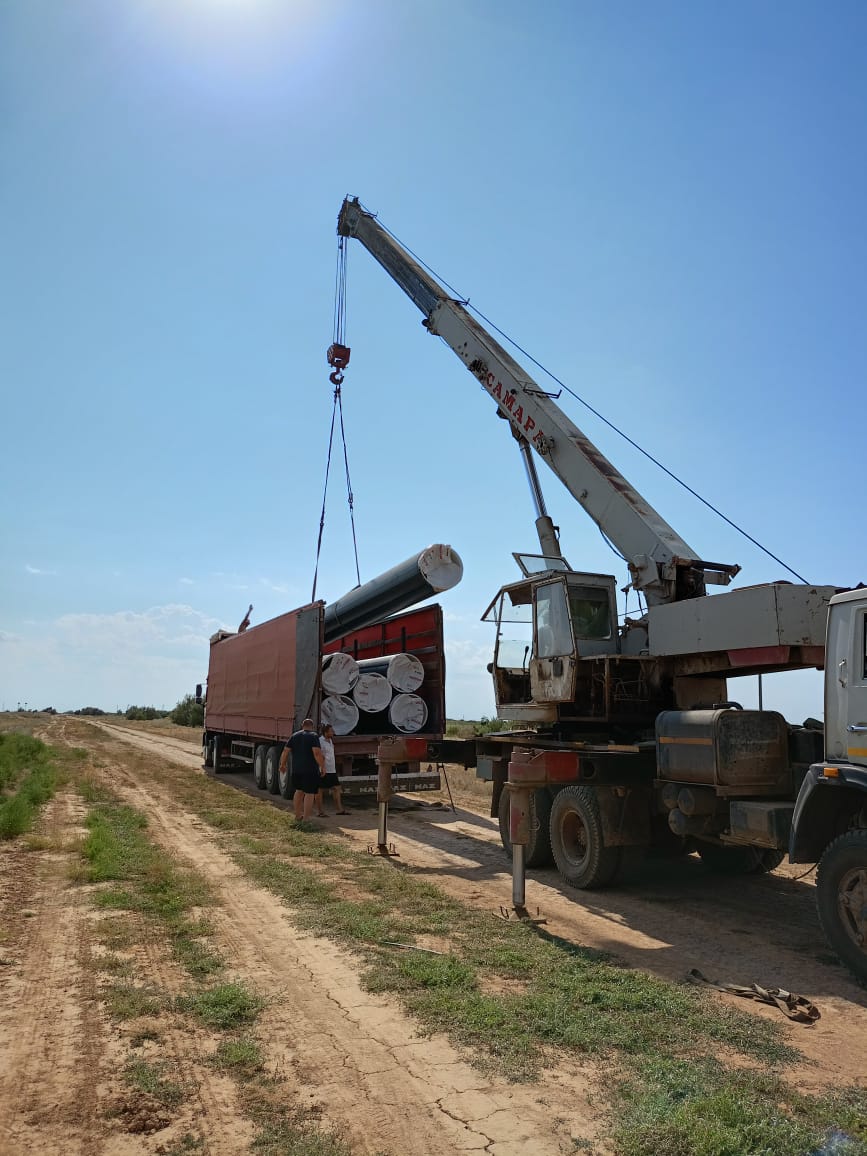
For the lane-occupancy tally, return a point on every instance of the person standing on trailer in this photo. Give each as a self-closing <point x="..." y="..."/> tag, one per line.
<point x="331" y="781"/>
<point x="308" y="767"/>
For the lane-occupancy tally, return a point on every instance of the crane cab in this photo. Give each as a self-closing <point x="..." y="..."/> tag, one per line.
<point x="546" y="623"/>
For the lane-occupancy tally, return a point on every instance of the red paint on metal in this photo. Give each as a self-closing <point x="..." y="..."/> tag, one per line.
<point x="251" y="680"/>
<point x="814" y="655"/>
<point x="759" y="655"/>
<point x="538" y="768"/>
<point x="519" y="816"/>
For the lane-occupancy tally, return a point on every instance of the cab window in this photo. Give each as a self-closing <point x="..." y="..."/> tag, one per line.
<point x="553" y="622"/>
<point x="590" y="612"/>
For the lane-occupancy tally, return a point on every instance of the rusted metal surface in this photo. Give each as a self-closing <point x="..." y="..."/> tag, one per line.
<point x="539" y="768"/>
<point x="738" y="750"/>
<point x="625" y="815"/>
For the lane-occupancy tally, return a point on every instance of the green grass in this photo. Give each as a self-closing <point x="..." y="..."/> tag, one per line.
<point x="296" y="1136"/>
<point x="117" y="850"/>
<point x="125" y="1001"/>
<point x="151" y="1079"/>
<point x="241" y="1058"/>
<point x="699" y="1108"/>
<point x="517" y="998"/>
<point x="226" y="1006"/>
<point x="28" y="779"/>
<point x="136" y="877"/>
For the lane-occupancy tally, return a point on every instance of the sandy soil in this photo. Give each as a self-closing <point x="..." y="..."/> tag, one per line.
<point x="673" y="917"/>
<point x="352" y="1057"/>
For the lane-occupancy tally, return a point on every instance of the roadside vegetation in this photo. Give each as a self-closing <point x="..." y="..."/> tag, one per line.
<point x="149" y="899"/>
<point x="29" y="775"/>
<point x="687" y="1075"/>
<point x="468" y="728"/>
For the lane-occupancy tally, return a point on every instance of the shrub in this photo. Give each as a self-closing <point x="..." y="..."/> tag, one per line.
<point x="188" y="713"/>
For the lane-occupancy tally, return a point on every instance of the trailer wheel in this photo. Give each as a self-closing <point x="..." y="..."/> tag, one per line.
<point x="539" y="847"/>
<point x="577" y="841"/>
<point x="841" y="898"/>
<point x="739" y="860"/>
<point x="259" y="756"/>
<point x="207" y="753"/>
<point x="284" y="781"/>
<point x="216" y="754"/>
<point x="272" y="770"/>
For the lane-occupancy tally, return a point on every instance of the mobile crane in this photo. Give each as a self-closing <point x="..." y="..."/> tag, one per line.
<point x="632" y="742"/>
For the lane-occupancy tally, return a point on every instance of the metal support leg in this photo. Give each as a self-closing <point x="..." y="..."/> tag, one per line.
<point x="383" y="794"/>
<point x="382" y="838"/>
<point x="519" y="898"/>
<point x="519" y="837"/>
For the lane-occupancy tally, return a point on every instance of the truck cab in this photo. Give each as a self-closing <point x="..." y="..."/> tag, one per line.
<point x="829" y="825"/>
<point x="546" y="623"/>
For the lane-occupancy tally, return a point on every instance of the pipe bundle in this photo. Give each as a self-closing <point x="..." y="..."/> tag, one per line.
<point x="373" y="696"/>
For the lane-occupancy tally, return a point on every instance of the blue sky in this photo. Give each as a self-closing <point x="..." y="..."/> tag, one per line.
<point x="663" y="202"/>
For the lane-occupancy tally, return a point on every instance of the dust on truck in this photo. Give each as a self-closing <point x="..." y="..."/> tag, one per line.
<point x="263" y="682"/>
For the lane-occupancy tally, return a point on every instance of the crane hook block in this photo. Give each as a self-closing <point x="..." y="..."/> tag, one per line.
<point x="338" y="356"/>
<point x="336" y="378"/>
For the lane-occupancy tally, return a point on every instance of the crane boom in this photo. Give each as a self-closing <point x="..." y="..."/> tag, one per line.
<point x="660" y="562"/>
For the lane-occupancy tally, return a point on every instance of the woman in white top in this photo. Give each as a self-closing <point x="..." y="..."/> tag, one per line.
<point x="331" y="780"/>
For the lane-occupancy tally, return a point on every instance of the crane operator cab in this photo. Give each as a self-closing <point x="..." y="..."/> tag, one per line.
<point x="545" y="624"/>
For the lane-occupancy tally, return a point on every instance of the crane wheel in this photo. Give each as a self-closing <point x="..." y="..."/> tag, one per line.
<point x="577" y="840"/>
<point x="539" y="847"/>
<point x="841" y="899"/>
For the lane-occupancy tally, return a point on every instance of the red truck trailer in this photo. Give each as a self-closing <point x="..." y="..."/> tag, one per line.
<point x="263" y="682"/>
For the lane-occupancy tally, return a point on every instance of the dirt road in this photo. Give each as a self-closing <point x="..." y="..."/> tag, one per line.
<point x="673" y="918"/>
<point x="351" y="1057"/>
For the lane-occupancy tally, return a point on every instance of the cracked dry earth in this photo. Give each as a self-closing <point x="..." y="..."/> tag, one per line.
<point x="673" y="918"/>
<point x="352" y="1058"/>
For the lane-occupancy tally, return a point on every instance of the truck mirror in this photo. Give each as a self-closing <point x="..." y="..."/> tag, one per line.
<point x="198" y="693"/>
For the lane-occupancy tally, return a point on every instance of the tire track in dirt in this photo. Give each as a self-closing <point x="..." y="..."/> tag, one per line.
<point x="352" y="1056"/>
<point x="61" y="1060"/>
<point x="51" y="1036"/>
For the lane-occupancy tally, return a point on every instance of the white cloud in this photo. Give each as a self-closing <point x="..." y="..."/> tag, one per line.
<point x="186" y="581"/>
<point x="150" y="657"/>
<point x="35" y="570"/>
<point x="277" y="587"/>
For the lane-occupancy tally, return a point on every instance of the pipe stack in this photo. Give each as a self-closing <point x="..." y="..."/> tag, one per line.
<point x="373" y="696"/>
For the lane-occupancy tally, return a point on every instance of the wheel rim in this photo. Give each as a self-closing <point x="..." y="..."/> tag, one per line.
<point x="852" y="903"/>
<point x="574" y="839"/>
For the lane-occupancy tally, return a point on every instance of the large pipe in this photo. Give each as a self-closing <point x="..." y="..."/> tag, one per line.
<point x="434" y="570"/>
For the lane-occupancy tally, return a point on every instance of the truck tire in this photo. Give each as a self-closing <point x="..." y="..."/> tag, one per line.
<point x="539" y="847"/>
<point x="284" y="782"/>
<point x="207" y="753"/>
<point x="259" y="756"/>
<point x="841" y="898"/>
<point x="739" y="860"/>
<point x="216" y="754"/>
<point x="272" y="770"/>
<point x="577" y="841"/>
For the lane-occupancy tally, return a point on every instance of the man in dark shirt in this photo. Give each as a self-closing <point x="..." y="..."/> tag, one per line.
<point x="308" y="766"/>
